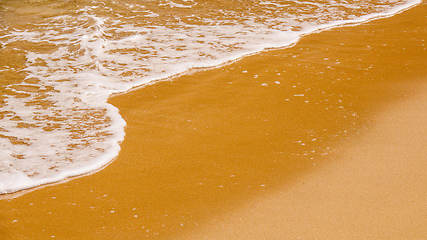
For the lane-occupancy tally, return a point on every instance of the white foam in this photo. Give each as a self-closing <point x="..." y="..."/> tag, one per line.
<point x="106" y="49"/>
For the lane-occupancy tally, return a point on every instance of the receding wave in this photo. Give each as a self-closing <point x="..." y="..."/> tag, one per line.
<point x="61" y="60"/>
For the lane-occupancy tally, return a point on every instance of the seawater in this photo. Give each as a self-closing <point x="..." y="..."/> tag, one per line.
<point x="61" y="60"/>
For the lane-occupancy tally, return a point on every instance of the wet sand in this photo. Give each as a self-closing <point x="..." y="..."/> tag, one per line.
<point x="324" y="139"/>
<point x="374" y="189"/>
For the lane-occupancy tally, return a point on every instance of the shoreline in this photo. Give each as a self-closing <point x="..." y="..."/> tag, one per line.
<point x="71" y="174"/>
<point x="345" y="24"/>
<point x="202" y="157"/>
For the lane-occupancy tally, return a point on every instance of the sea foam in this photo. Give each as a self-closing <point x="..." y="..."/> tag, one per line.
<point x="55" y="121"/>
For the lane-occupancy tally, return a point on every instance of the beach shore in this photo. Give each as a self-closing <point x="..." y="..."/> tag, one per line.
<point x="325" y="139"/>
<point x="373" y="187"/>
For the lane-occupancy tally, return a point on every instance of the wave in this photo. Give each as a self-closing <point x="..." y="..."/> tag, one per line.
<point x="62" y="60"/>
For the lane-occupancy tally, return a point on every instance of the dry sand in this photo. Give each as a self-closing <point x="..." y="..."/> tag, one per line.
<point x="326" y="139"/>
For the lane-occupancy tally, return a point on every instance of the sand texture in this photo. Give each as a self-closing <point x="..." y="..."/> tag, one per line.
<point x="322" y="140"/>
<point x="374" y="189"/>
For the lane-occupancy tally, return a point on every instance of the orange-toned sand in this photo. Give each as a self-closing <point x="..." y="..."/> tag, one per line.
<point x="375" y="188"/>
<point x="238" y="152"/>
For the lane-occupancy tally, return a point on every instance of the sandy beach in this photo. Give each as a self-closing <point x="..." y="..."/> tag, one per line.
<point x="374" y="189"/>
<point x="322" y="140"/>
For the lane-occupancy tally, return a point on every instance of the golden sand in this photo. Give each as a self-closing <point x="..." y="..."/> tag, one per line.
<point x="373" y="187"/>
<point x="324" y="139"/>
